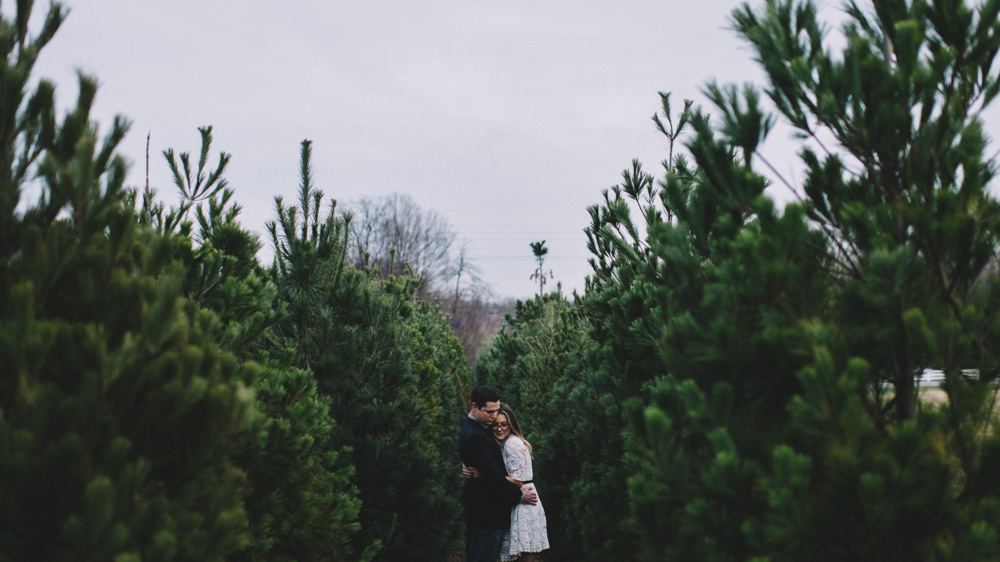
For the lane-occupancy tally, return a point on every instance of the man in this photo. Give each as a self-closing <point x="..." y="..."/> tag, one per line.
<point x="487" y="499"/>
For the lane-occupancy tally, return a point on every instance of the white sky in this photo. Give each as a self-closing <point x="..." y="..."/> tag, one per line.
<point x="508" y="118"/>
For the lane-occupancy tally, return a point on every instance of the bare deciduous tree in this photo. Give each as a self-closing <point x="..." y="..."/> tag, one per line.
<point x="395" y="234"/>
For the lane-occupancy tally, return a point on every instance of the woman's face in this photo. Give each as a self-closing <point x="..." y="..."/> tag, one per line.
<point x="501" y="428"/>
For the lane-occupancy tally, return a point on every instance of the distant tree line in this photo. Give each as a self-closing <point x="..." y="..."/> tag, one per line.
<point x="736" y="382"/>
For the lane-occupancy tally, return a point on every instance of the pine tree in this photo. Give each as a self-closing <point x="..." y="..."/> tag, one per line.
<point x="223" y="274"/>
<point x="623" y="311"/>
<point x="787" y="424"/>
<point x="301" y="505"/>
<point x="364" y="340"/>
<point x="537" y="362"/>
<point x="119" y="411"/>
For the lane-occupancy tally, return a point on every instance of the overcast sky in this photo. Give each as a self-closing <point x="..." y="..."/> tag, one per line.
<point x="508" y="118"/>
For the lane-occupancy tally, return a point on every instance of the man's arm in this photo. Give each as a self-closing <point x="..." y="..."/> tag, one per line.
<point x="478" y="455"/>
<point x="526" y="497"/>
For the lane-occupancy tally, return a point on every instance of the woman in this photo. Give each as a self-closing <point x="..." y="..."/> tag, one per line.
<point x="528" y="532"/>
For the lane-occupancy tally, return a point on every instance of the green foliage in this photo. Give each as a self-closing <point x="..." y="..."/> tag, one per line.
<point x="392" y="371"/>
<point x="444" y="379"/>
<point x="905" y="197"/>
<point x="222" y="270"/>
<point x="536" y="363"/>
<point x="302" y="506"/>
<point x="533" y="355"/>
<point x="753" y="379"/>
<point x="625" y="315"/>
<point x="736" y="383"/>
<point x="443" y="384"/>
<point x="783" y="420"/>
<point x="119" y="411"/>
<point x="134" y="422"/>
<point x="539" y="250"/>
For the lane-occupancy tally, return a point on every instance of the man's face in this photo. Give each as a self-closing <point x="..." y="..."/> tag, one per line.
<point x="487" y="413"/>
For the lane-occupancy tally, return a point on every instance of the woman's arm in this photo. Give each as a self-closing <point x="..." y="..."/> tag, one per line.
<point x="517" y="459"/>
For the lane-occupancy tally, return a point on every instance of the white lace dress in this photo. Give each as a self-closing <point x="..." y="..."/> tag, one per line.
<point x="528" y="531"/>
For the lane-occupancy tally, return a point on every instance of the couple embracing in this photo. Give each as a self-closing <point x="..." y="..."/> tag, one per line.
<point x="502" y="513"/>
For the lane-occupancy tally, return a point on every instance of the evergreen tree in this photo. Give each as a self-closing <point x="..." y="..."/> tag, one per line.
<point x="223" y="274"/>
<point x="533" y="354"/>
<point x="787" y="425"/>
<point x="301" y="505"/>
<point x="535" y="361"/>
<point x="539" y="250"/>
<point x="443" y="385"/>
<point x="364" y="340"/>
<point x="586" y="448"/>
<point x="119" y="411"/>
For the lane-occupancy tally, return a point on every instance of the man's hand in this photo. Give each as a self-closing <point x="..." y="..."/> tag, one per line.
<point x="530" y="495"/>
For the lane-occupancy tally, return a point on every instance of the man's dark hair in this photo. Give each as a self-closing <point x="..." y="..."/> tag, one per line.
<point x="483" y="394"/>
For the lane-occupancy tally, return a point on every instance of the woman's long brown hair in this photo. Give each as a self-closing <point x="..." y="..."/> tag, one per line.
<point x="515" y="426"/>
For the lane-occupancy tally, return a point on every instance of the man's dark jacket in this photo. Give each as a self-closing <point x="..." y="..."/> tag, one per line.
<point x="487" y="500"/>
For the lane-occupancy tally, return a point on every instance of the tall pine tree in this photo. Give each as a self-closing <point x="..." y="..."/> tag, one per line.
<point x="394" y="393"/>
<point x="787" y="424"/>
<point x="301" y="504"/>
<point x="119" y="411"/>
<point x="537" y="360"/>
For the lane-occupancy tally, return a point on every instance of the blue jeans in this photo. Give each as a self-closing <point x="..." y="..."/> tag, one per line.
<point x="482" y="545"/>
